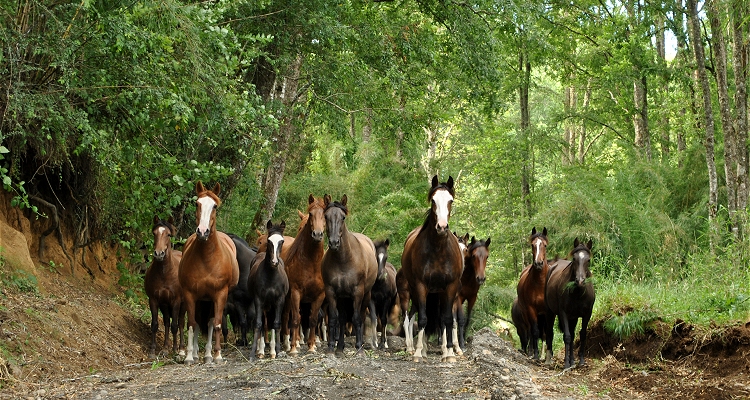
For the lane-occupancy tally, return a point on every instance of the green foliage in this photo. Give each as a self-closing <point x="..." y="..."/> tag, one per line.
<point x="629" y="324"/>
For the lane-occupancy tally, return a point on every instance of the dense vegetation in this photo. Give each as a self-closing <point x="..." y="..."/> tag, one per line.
<point x="570" y="115"/>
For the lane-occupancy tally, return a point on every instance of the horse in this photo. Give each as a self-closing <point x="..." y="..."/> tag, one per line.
<point x="208" y="270"/>
<point x="239" y="298"/>
<point x="463" y="243"/>
<point x="288" y="240"/>
<point x="162" y="286"/>
<point x="570" y="295"/>
<point x="384" y="290"/>
<point x="530" y="290"/>
<point x="432" y="263"/>
<point x="522" y="328"/>
<point x="472" y="278"/>
<point x="268" y="284"/>
<point x="302" y="263"/>
<point x="349" y="269"/>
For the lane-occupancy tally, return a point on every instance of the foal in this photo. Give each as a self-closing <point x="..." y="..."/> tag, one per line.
<point x="163" y="288"/>
<point x="384" y="289"/>
<point x="531" y="288"/>
<point x="269" y="285"/>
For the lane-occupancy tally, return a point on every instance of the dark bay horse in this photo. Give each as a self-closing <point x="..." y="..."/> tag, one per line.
<point x="207" y="271"/>
<point x="302" y="263"/>
<point x="432" y="262"/>
<point x="384" y="289"/>
<point x="349" y="270"/>
<point x="530" y="290"/>
<point x="522" y="328"/>
<point x="269" y="285"/>
<point x="163" y="288"/>
<point x="472" y="278"/>
<point x="239" y="298"/>
<point x="570" y="295"/>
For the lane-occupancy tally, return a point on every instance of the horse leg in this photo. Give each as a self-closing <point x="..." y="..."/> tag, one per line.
<point x="459" y="323"/>
<point x="447" y="300"/>
<point x="374" y="323"/>
<point x="174" y="326"/>
<point x="408" y="334"/>
<point x="257" y="329"/>
<point x="333" y="320"/>
<point x="285" y="317"/>
<point x="294" y="328"/>
<point x="421" y="305"/>
<point x="549" y="333"/>
<point x="314" y="314"/>
<point x="572" y="322"/>
<point x="567" y="338"/>
<point x="153" y="305"/>
<point x="208" y="356"/>
<point x="181" y="327"/>
<point x="534" y="335"/>
<point x="276" y="346"/>
<point x="582" y="343"/>
<point x="192" y="342"/>
<point x="165" y="317"/>
<point x="357" y="321"/>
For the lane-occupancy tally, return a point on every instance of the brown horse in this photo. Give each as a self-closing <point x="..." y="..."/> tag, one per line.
<point x="268" y="285"/>
<point x="384" y="290"/>
<point x="349" y="270"/>
<point x="432" y="263"/>
<point x="288" y="240"/>
<point x="472" y="279"/>
<point x="570" y="295"/>
<point x="521" y="328"/>
<point x="302" y="263"/>
<point x="530" y="290"/>
<point x="163" y="286"/>
<point x="208" y="270"/>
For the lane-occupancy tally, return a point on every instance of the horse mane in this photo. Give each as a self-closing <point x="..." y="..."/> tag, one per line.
<point x="338" y="205"/>
<point x="211" y="195"/>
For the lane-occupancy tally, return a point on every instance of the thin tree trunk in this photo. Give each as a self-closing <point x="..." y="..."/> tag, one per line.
<point x="523" y="96"/>
<point x="695" y="37"/>
<point x="740" y="52"/>
<point x="640" y="118"/>
<point x="367" y="128"/>
<point x="287" y="93"/>
<point x="661" y="50"/>
<point x="569" y="135"/>
<point x="720" y="63"/>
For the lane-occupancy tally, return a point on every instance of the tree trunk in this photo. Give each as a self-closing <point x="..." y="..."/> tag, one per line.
<point x="720" y="63"/>
<point x="570" y="124"/>
<point x="695" y="37"/>
<point x="523" y="97"/>
<point x="741" y="31"/>
<point x="582" y="138"/>
<point x="285" y="90"/>
<point x="367" y="128"/>
<point x="661" y="50"/>
<point x="640" y="118"/>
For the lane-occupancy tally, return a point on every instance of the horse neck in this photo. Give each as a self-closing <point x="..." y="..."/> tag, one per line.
<point x="304" y="243"/>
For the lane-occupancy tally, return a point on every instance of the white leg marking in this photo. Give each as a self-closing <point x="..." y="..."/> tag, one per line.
<point x="273" y="343"/>
<point x="189" y="357"/>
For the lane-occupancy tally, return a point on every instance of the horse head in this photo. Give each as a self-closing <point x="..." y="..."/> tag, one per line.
<point x="479" y="250"/>
<point x="381" y="252"/>
<point x="316" y="217"/>
<point x="441" y="196"/>
<point x="335" y="214"/>
<point x="205" y="210"/>
<point x="539" y="247"/>
<point x="581" y="256"/>
<point x="163" y="231"/>
<point x="463" y="243"/>
<point x="275" y="242"/>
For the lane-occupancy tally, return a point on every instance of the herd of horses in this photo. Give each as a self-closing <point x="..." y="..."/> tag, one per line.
<point x="350" y="287"/>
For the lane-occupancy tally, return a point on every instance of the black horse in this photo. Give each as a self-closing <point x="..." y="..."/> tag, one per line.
<point x="239" y="299"/>
<point x="268" y="284"/>
<point x="570" y="295"/>
<point x="384" y="289"/>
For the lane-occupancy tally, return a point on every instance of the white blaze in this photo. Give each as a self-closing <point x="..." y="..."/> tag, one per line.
<point x="442" y="199"/>
<point x="275" y="239"/>
<point x="207" y="207"/>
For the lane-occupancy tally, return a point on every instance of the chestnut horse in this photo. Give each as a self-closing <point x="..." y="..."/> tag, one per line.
<point x="349" y="270"/>
<point x="384" y="290"/>
<point x="302" y="263"/>
<point x="207" y="271"/>
<point x="268" y="285"/>
<point x="432" y="263"/>
<point x="163" y="288"/>
<point x="472" y="278"/>
<point x="570" y="295"/>
<point x="530" y="290"/>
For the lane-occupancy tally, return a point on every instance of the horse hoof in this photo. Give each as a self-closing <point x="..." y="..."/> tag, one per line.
<point x="417" y="359"/>
<point x="208" y="360"/>
<point x="151" y="355"/>
<point x="449" y="359"/>
<point x="273" y="356"/>
<point x="294" y="352"/>
<point x="459" y="353"/>
<point x="189" y="362"/>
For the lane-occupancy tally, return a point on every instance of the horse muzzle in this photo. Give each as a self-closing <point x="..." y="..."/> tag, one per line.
<point x="481" y="280"/>
<point x="334" y="244"/>
<point x="317" y="236"/>
<point x="442" y="229"/>
<point x="538" y="264"/>
<point x="202" y="235"/>
<point x="159" y="255"/>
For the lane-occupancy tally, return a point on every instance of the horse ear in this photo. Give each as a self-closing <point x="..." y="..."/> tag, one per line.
<point x="487" y="242"/>
<point x="269" y="225"/>
<point x="343" y="200"/>
<point x="590" y="244"/>
<point x="435" y="181"/>
<point x="387" y="242"/>
<point x="311" y="199"/>
<point x="282" y="226"/>
<point x="466" y="237"/>
<point x="217" y="189"/>
<point x="327" y="199"/>
<point x="301" y="216"/>
<point x="576" y="242"/>
<point x="544" y="231"/>
<point x="473" y="240"/>
<point x="450" y="182"/>
<point x="199" y="187"/>
<point x="170" y="220"/>
<point x="258" y="232"/>
<point x="156" y="219"/>
<point x="533" y="231"/>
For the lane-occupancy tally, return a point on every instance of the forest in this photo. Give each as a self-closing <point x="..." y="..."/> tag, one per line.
<point x="621" y="122"/>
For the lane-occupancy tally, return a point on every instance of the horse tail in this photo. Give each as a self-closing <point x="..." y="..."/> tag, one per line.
<point x="433" y="315"/>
